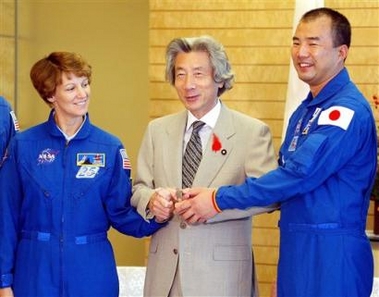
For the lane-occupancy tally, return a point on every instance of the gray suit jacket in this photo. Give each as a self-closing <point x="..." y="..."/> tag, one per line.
<point x="215" y="259"/>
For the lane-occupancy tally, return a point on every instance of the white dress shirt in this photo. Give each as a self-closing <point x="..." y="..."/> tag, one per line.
<point x="205" y="132"/>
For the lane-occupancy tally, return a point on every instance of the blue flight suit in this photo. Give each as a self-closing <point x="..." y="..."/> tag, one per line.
<point x="58" y="201"/>
<point x="8" y="125"/>
<point x="327" y="167"/>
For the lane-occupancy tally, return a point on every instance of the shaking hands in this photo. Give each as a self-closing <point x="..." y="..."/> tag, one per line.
<point x="194" y="205"/>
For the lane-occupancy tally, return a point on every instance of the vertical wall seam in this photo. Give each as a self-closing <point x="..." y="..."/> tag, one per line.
<point x="15" y="57"/>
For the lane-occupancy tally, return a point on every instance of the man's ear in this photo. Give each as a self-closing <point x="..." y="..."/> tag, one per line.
<point x="344" y="51"/>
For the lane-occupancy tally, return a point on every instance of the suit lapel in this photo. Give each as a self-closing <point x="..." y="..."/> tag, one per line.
<point x="213" y="161"/>
<point x="172" y="155"/>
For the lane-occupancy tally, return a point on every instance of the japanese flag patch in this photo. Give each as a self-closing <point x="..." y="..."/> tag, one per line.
<point x="339" y="116"/>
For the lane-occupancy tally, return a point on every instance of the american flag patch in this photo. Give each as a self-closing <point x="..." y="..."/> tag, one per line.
<point x="15" y="121"/>
<point x="125" y="159"/>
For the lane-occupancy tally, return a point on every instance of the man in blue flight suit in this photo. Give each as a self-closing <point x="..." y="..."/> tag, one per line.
<point x="8" y="126"/>
<point x="327" y="167"/>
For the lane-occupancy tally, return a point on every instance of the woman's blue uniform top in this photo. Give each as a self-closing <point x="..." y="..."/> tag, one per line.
<point x="58" y="200"/>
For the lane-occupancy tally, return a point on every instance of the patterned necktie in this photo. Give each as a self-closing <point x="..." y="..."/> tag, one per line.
<point x="192" y="155"/>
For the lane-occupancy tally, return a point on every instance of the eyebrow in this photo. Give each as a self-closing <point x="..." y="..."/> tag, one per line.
<point x="195" y="68"/>
<point x="202" y="68"/>
<point x="307" y="38"/>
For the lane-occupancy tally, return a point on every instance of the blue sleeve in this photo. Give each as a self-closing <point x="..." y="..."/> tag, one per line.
<point x="134" y="225"/>
<point x="10" y="204"/>
<point x="279" y="184"/>
<point x="123" y="217"/>
<point x="7" y="128"/>
<point x="323" y="153"/>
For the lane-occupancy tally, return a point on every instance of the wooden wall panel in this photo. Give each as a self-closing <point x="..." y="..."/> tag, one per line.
<point x="229" y="37"/>
<point x="7" y="17"/>
<point x="7" y="50"/>
<point x="230" y="19"/>
<point x="257" y="37"/>
<point x="215" y="5"/>
<point x="7" y="69"/>
<point x="370" y="218"/>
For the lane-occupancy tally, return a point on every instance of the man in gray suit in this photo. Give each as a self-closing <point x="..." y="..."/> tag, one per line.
<point x="212" y="258"/>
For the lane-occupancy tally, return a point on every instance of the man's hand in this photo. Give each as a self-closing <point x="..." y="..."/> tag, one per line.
<point x="198" y="207"/>
<point x="161" y="204"/>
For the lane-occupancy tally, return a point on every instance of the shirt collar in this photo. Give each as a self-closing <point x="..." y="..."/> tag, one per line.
<point x="331" y="88"/>
<point x="209" y="119"/>
<point x="69" y="138"/>
<point x="82" y="132"/>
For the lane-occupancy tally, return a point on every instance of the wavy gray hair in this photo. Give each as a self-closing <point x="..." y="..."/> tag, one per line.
<point x="222" y="70"/>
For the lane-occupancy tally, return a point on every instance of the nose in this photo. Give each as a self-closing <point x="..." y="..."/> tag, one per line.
<point x="81" y="92"/>
<point x="302" y="50"/>
<point x="189" y="82"/>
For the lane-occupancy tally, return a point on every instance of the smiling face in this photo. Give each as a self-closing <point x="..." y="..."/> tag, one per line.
<point x="194" y="82"/>
<point x="71" y="98"/>
<point x="314" y="55"/>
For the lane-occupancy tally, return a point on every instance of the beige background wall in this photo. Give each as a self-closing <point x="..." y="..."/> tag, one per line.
<point x="124" y="40"/>
<point x="7" y="50"/>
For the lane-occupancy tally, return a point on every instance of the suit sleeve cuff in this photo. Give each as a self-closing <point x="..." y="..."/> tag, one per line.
<point x="6" y="280"/>
<point x="214" y="202"/>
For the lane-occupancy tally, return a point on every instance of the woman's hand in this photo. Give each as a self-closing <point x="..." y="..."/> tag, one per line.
<point x="6" y="292"/>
